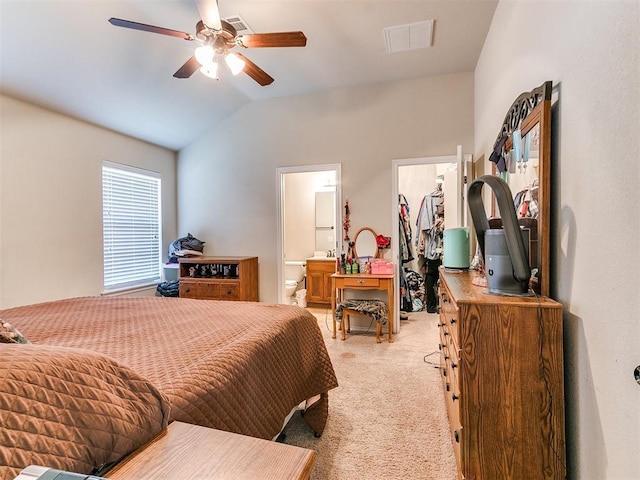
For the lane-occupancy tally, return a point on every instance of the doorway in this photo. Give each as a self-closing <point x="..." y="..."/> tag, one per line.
<point x="308" y="218"/>
<point x="414" y="181"/>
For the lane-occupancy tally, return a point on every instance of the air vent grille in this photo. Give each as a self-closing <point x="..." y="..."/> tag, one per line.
<point x="239" y="24"/>
<point x="408" y="37"/>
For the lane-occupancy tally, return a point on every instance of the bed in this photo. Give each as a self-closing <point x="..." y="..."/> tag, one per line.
<point x="235" y="366"/>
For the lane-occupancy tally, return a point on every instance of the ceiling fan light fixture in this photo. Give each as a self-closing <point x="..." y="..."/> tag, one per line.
<point x="204" y="55"/>
<point x="210" y="69"/>
<point x="234" y="62"/>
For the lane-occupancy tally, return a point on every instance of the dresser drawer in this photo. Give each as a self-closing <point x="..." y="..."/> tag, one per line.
<point x="188" y="290"/>
<point x="450" y="315"/>
<point x="207" y="290"/>
<point x="229" y="291"/>
<point x="361" y="282"/>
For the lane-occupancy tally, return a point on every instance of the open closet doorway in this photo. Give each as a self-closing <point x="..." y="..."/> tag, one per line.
<point x="309" y="222"/>
<point x="428" y="193"/>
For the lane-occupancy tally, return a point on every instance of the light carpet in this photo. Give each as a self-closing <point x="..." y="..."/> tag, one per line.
<point x="387" y="419"/>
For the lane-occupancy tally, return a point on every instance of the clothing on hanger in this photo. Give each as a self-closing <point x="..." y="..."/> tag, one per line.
<point x="430" y="225"/>
<point x="406" y="255"/>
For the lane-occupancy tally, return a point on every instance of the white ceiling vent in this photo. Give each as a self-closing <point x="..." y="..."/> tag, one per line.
<point x="239" y="24"/>
<point x="408" y="37"/>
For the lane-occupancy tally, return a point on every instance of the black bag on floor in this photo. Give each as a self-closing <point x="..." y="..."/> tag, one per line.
<point x="169" y="289"/>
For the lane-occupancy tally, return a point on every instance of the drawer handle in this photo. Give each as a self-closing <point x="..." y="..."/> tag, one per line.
<point x="456" y="435"/>
<point x="448" y="387"/>
<point x="454" y="365"/>
<point x="228" y="292"/>
<point x="446" y="333"/>
<point x="452" y="321"/>
<point x="360" y="282"/>
<point x="454" y="397"/>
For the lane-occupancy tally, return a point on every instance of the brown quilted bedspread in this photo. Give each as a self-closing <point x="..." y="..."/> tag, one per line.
<point x="236" y="366"/>
<point x="72" y="409"/>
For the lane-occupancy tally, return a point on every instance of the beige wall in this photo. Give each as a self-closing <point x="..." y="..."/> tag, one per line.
<point x="590" y="52"/>
<point x="227" y="178"/>
<point x="51" y="201"/>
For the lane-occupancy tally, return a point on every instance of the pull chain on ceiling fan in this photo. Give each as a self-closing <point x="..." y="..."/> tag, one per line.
<point x="217" y="38"/>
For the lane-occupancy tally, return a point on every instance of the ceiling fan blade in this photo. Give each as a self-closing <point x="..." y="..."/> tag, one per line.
<point x="255" y="72"/>
<point x="118" y="22"/>
<point x="266" y="40"/>
<point x="188" y="69"/>
<point x="209" y="13"/>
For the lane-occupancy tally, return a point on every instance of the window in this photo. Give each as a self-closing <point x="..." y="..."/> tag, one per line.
<point x="131" y="226"/>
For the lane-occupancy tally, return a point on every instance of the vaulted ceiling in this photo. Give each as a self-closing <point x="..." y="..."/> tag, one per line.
<point x="66" y="56"/>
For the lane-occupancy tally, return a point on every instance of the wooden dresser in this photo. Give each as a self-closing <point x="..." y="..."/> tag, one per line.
<point x="219" y="278"/>
<point x="501" y="363"/>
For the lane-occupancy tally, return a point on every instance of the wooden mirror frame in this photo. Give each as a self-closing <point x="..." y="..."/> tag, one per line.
<point x="375" y="241"/>
<point x="528" y="110"/>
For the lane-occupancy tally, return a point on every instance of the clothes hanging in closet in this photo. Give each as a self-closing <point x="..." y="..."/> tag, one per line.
<point x="406" y="255"/>
<point x="430" y="225"/>
<point x="526" y="201"/>
<point x="431" y="277"/>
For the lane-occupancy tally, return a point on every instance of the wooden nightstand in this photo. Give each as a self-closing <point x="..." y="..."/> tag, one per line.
<point x="189" y="451"/>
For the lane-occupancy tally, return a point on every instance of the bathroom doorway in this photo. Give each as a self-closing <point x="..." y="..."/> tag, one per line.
<point x="309" y="213"/>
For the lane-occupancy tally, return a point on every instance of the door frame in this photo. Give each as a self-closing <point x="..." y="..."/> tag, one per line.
<point x="395" y="222"/>
<point x="280" y="176"/>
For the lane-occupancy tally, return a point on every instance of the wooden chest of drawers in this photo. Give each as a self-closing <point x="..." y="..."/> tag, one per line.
<point x="219" y="278"/>
<point x="501" y="364"/>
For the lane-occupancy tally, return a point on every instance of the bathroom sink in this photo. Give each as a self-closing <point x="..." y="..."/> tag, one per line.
<point x="320" y="256"/>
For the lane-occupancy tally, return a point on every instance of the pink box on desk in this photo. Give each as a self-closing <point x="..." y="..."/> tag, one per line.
<point x="381" y="267"/>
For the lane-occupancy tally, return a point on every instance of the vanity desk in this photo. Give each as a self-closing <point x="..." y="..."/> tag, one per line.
<point x="362" y="281"/>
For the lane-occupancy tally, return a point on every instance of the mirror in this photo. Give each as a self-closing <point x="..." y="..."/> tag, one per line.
<point x="325" y="221"/>
<point x="365" y="243"/>
<point x="522" y="156"/>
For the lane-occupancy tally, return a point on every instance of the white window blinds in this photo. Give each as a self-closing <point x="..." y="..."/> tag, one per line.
<point x="131" y="226"/>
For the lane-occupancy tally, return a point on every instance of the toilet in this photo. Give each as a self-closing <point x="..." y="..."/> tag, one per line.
<point x="294" y="274"/>
<point x="290" y="288"/>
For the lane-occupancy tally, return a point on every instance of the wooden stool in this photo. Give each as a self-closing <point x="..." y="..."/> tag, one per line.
<point x="345" y="324"/>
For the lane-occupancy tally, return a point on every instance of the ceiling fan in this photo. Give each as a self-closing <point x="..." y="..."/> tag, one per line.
<point x="216" y="39"/>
